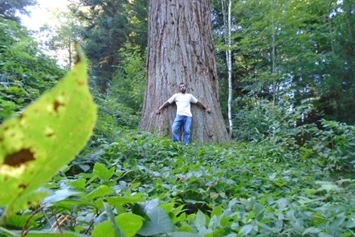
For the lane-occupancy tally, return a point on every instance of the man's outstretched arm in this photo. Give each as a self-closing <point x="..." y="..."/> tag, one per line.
<point x="166" y="104"/>
<point x="204" y="107"/>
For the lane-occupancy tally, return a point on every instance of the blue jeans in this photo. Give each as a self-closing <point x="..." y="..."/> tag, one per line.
<point x="185" y="122"/>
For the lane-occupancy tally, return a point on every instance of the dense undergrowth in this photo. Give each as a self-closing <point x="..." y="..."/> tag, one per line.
<point x="286" y="181"/>
<point x="160" y="188"/>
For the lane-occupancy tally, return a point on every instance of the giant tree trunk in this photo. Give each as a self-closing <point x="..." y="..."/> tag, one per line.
<point x="181" y="50"/>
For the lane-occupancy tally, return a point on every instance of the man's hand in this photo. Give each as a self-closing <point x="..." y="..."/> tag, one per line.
<point x="208" y="110"/>
<point x="166" y="104"/>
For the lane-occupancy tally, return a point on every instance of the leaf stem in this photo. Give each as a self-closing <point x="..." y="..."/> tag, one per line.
<point x="8" y="232"/>
<point x="352" y="232"/>
<point x="111" y="217"/>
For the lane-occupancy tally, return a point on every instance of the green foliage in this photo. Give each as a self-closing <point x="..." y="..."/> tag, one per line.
<point x="129" y="223"/>
<point x="129" y="80"/>
<point x="121" y="105"/>
<point x="113" y="115"/>
<point x="144" y="186"/>
<point x="333" y="145"/>
<point x="109" y="24"/>
<point x="138" y="15"/>
<point x="299" y="45"/>
<point x="330" y="143"/>
<point x="257" y="120"/>
<point x="25" y="72"/>
<point x="8" y="8"/>
<point x="30" y="153"/>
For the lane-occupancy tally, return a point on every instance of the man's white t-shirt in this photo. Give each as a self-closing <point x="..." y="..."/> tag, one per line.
<point x="183" y="103"/>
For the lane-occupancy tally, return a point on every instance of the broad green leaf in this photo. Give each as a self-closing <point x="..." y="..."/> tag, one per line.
<point x="101" y="191"/>
<point x="160" y="222"/>
<point x="217" y="211"/>
<point x="111" y="218"/>
<point x="59" y="196"/>
<point x="78" y="184"/>
<point x="185" y="228"/>
<point x="214" y="223"/>
<point x="231" y="235"/>
<point x="69" y="204"/>
<point x="148" y="206"/>
<point x="325" y="235"/>
<point x="226" y="221"/>
<point x="118" y="201"/>
<point x="149" y="229"/>
<point x="258" y="210"/>
<point x="135" y="185"/>
<point x="129" y="224"/>
<point x="351" y="224"/>
<point x="159" y="217"/>
<point x="20" y="220"/>
<point x="328" y="186"/>
<point x="245" y="230"/>
<point x="103" y="229"/>
<point x="168" y="207"/>
<point x="311" y="230"/>
<point x="266" y="227"/>
<point x="183" y="234"/>
<point x="218" y="232"/>
<point x="339" y="221"/>
<point x="310" y="191"/>
<point x="200" y="221"/>
<point x="102" y="172"/>
<point x="47" y="135"/>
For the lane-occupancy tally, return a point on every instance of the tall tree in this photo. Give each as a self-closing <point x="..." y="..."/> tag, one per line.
<point x="106" y="31"/>
<point x="337" y="88"/>
<point x="109" y="25"/>
<point x="181" y="50"/>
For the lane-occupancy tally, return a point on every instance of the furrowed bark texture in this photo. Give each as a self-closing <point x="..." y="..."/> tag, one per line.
<point x="181" y="50"/>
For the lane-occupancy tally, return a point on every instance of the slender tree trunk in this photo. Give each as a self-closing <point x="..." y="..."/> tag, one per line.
<point x="274" y="84"/>
<point x="228" y="41"/>
<point x="229" y="62"/>
<point x="331" y="31"/>
<point x="181" y="50"/>
<point x="349" y="11"/>
<point x="70" y="63"/>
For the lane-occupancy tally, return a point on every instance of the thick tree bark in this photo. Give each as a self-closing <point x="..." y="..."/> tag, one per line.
<point x="181" y="50"/>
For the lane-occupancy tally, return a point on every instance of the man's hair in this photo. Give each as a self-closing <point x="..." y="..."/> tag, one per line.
<point x="182" y="84"/>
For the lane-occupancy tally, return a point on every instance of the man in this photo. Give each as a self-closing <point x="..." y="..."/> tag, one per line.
<point x="183" y="113"/>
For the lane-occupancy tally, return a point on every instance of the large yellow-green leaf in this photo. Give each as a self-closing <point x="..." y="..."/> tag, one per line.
<point x="47" y="135"/>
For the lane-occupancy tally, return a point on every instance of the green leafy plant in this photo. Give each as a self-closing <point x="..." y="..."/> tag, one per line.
<point x="25" y="71"/>
<point x="140" y="185"/>
<point x="333" y="145"/>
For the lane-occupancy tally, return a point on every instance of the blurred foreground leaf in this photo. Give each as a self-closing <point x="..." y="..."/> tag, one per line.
<point x="47" y="135"/>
